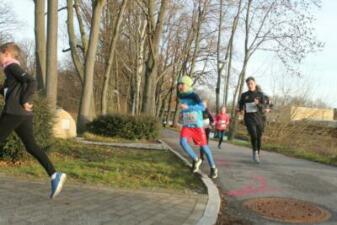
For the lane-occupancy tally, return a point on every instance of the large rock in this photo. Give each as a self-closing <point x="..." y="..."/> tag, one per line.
<point x="65" y="126"/>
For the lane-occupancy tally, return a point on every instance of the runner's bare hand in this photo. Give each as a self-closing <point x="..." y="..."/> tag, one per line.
<point x="183" y="106"/>
<point x="28" y="107"/>
<point x="267" y="110"/>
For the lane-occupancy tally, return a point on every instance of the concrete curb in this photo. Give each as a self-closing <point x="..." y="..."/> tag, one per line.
<point x="124" y="145"/>
<point x="214" y="201"/>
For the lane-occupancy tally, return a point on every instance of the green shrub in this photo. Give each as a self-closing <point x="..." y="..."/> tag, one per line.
<point x="13" y="149"/>
<point x="126" y="126"/>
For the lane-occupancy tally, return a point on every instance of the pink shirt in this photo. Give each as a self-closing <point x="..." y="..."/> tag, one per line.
<point x="222" y="121"/>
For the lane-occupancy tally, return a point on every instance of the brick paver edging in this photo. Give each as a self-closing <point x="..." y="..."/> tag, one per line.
<point x="213" y="204"/>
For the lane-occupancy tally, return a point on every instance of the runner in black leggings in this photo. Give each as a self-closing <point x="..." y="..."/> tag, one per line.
<point x="17" y="114"/>
<point x="253" y="104"/>
<point x="208" y="122"/>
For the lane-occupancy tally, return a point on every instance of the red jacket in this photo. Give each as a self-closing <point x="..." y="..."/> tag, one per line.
<point x="222" y="121"/>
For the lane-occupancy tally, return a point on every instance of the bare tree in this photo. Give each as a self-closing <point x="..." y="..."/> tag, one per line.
<point x="87" y="92"/>
<point x="108" y="70"/>
<point x="220" y="65"/>
<point x="229" y="53"/>
<point x="190" y="53"/>
<point x="7" y="22"/>
<point x="76" y="56"/>
<point x="139" y="65"/>
<point x="78" y="48"/>
<point x="154" y="29"/>
<point x="40" y="43"/>
<point x="51" y="78"/>
<point x="159" y="41"/>
<point x="268" y="26"/>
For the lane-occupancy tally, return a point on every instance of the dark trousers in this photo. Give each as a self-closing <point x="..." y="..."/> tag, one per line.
<point x="255" y="131"/>
<point x="23" y="127"/>
<point x="221" y="134"/>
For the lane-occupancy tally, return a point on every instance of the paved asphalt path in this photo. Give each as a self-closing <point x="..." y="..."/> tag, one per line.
<point x="24" y="202"/>
<point x="276" y="176"/>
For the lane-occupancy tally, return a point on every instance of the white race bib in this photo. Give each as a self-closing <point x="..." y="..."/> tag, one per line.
<point x="206" y="123"/>
<point x="189" y="118"/>
<point x="251" y="107"/>
<point x="222" y="124"/>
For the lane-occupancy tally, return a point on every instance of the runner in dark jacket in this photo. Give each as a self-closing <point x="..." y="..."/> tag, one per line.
<point x="253" y="104"/>
<point x="17" y="113"/>
<point x="208" y="122"/>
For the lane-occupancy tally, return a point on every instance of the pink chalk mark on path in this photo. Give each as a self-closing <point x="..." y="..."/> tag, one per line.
<point x="260" y="186"/>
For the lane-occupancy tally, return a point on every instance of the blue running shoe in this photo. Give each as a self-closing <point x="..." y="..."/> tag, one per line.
<point x="57" y="184"/>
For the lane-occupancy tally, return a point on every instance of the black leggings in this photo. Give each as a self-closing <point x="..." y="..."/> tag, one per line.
<point x="221" y="134"/>
<point x="255" y="131"/>
<point x="23" y="127"/>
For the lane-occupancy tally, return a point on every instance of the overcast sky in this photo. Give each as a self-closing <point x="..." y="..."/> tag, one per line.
<point x="320" y="69"/>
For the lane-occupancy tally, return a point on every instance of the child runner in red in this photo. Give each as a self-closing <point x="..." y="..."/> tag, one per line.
<point x="191" y="116"/>
<point x="221" y="123"/>
<point x="17" y="114"/>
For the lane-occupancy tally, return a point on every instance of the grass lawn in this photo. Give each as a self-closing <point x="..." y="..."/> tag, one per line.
<point x="94" y="137"/>
<point x="321" y="157"/>
<point x="114" y="167"/>
<point x="293" y="152"/>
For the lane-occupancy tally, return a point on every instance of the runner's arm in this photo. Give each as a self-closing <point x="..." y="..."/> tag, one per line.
<point x="210" y="117"/>
<point x="24" y="77"/>
<point x="241" y="103"/>
<point x="2" y="90"/>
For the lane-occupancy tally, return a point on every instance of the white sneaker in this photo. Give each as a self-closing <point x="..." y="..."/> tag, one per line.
<point x="214" y="173"/>
<point x="196" y="165"/>
<point x="57" y="184"/>
<point x="256" y="156"/>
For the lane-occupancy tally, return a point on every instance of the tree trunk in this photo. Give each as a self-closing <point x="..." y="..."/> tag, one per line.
<point x="75" y="55"/>
<point x="84" y="37"/>
<point x="87" y="91"/>
<point x="219" y="66"/>
<point x="51" y="82"/>
<point x="116" y="91"/>
<point x="154" y="30"/>
<point x="228" y="74"/>
<point x="238" y="91"/>
<point x="149" y="90"/>
<point x="170" y="99"/>
<point x="108" y="70"/>
<point x="73" y="42"/>
<point x="176" y="113"/>
<point x="229" y="54"/>
<point x="40" y="43"/>
<point x="139" y="66"/>
<point x="234" y="115"/>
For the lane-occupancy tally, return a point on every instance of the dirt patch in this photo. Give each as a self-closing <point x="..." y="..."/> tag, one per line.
<point x="288" y="210"/>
